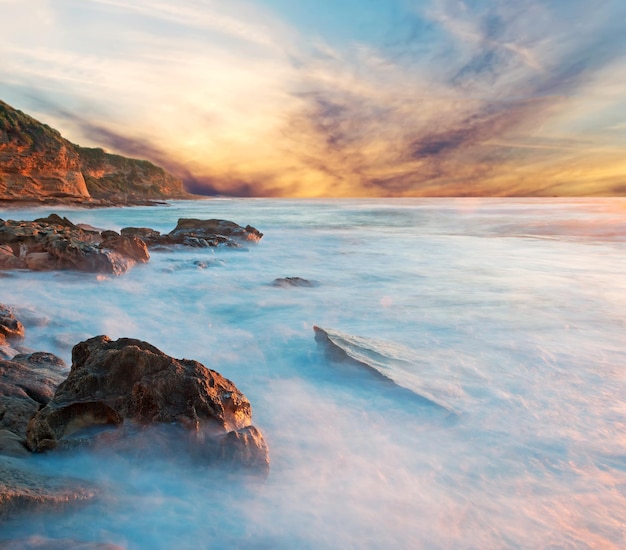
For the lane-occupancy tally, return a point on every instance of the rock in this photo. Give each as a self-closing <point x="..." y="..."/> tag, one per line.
<point x="8" y="260"/>
<point x="27" y="382"/>
<point x="131" y="247"/>
<point x="10" y="327"/>
<point x="112" y="382"/>
<point x="286" y="282"/>
<point x="22" y="490"/>
<point x="55" y="219"/>
<point x="147" y="235"/>
<point x="12" y="445"/>
<point x="212" y="230"/>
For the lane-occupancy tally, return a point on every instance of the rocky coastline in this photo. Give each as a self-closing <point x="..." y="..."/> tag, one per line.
<point x="124" y="394"/>
<point x="56" y="243"/>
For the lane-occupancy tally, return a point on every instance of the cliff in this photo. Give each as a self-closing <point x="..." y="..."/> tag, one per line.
<point x="37" y="163"/>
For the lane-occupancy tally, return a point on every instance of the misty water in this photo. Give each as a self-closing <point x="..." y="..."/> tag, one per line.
<point x="509" y="314"/>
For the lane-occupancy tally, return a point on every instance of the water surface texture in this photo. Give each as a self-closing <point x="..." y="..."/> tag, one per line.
<point x="510" y="312"/>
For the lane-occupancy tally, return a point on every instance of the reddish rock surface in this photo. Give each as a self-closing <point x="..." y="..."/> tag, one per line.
<point x="112" y="382"/>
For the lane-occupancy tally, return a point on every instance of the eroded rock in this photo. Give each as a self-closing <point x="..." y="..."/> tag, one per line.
<point x="112" y="382"/>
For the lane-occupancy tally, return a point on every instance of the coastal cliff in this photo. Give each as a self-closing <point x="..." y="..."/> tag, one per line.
<point x="38" y="164"/>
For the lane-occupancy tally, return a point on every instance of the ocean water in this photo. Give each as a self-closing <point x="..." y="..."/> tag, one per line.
<point x="509" y="312"/>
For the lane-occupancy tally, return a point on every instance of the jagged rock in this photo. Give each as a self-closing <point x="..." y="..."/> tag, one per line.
<point x="27" y="382"/>
<point x="22" y="490"/>
<point x="129" y="380"/>
<point x="10" y="327"/>
<point x="293" y="281"/>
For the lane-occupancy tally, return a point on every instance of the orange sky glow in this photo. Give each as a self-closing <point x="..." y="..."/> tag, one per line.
<point x="370" y="99"/>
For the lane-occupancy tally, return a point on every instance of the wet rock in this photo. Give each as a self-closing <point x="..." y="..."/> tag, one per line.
<point x="286" y="282"/>
<point x="23" y="490"/>
<point x="131" y="247"/>
<point x="112" y="382"/>
<point x="214" y="232"/>
<point x="12" y="445"/>
<point x="10" y="327"/>
<point x="27" y="382"/>
<point x="149" y="236"/>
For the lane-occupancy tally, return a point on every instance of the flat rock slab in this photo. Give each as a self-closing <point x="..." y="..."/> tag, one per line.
<point x="23" y="490"/>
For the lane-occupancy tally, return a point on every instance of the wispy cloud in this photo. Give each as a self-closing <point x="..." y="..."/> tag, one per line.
<point x="460" y="98"/>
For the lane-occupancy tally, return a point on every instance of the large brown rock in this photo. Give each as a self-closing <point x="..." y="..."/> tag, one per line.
<point x="112" y="382"/>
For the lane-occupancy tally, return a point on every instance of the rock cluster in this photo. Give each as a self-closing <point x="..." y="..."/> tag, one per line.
<point x="126" y="385"/>
<point x="56" y="243"/>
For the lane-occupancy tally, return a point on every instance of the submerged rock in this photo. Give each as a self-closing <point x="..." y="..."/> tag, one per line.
<point x="112" y="382"/>
<point x="387" y="361"/>
<point x="286" y="282"/>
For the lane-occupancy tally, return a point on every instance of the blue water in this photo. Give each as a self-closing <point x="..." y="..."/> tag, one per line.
<point x="510" y="311"/>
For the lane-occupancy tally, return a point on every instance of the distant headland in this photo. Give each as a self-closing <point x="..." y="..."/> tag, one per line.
<point x="38" y="165"/>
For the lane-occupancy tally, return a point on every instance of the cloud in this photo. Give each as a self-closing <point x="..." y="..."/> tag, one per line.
<point x="458" y="98"/>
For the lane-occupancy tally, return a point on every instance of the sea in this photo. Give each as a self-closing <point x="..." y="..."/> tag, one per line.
<point x="499" y="326"/>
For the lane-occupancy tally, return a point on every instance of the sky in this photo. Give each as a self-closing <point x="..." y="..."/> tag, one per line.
<point x="334" y="98"/>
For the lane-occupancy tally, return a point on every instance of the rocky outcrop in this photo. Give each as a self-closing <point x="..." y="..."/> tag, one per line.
<point x="127" y="380"/>
<point x="38" y="164"/>
<point x="198" y="234"/>
<point x="56" y="243"/>
<point x="53" y="243"/>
